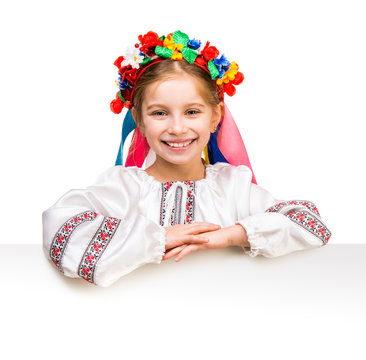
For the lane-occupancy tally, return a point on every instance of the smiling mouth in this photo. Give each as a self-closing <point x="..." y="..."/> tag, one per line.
<point x="179" y="145"/>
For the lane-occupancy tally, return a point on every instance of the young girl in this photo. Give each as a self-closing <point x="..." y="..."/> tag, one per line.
<point x="181" y="202"/>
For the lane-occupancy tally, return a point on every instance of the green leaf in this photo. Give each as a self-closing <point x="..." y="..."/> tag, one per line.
<point x="163" y="52"/>
<point x="189" y="54"/>
<point x="180" y="38"/>
<point x="213" y="70"/>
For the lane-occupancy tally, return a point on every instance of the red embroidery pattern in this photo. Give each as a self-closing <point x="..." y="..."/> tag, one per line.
<point x="96" y="247"/>
<point x="310" y="223"/>
<point x="189" y="214"/>
<point x="277" y="208"/>
<point x="164" y="189"/>
<point x="189" y="207"/>
<point x="63" y="235"/>
<point x="309" y="218"/>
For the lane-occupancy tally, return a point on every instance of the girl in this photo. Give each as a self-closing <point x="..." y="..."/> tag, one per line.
<point x="181" y="202"/>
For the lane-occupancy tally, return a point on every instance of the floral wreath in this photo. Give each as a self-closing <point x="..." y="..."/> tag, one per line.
<point x="175" y="46"/>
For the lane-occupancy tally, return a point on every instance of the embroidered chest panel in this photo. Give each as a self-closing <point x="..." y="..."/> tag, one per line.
<point x="177" y="216"/>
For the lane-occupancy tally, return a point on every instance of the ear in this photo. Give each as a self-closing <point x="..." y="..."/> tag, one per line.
<point x="217" y="116"/>
<point x="141" y="125"/>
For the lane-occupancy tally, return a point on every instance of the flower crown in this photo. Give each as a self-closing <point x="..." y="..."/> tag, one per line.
<point x="175" y="46"/>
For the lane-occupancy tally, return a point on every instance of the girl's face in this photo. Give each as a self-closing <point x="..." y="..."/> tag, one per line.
<point x="175" y="114"/>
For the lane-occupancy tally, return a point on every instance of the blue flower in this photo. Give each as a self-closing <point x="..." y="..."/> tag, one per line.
<point x="194" y="44"/>
<point x="222" y="65"/>
<point x="123" y="85"/>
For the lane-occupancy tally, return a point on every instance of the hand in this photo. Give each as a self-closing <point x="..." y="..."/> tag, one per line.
<point x="230" y="236"/>
<point x="217" y="240"/>
<point x="181" y="234"/>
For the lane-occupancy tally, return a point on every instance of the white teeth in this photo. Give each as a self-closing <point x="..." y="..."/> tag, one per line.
<point x="179" y="145"/>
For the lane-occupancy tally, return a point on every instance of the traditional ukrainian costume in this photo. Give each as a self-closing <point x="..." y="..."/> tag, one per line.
<point x="116" y="225"/>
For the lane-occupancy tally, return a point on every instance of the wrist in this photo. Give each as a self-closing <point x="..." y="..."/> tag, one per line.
<point x="238" y="236"/>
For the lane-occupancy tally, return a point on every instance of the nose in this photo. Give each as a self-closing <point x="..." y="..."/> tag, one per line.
<point x="177" y="125"/>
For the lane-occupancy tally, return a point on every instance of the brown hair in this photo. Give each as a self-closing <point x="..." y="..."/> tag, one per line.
<point x="165" y="70"/>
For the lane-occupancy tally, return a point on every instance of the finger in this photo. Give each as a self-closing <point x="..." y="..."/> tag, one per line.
<point x="187" y="239"/>
<point x="202" y="227"/>
<point x="196" y="239"/>
<point x="186" y="251"/>
<point x="204" y="224"/>
<point x="173" y="252"/>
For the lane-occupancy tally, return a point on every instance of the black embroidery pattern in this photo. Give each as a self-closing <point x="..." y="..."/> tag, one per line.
<point x="277" y="207"/>
<point x="189" y="214"/>
<point x="189" y="206"/>
<point x="63" y="235"/>
<point x="96" y="248"/>
<point x="309" y="218"/>
<point x="164" y="188"/>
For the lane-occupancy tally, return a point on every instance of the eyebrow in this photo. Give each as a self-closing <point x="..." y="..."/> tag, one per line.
<point x="163" y="106"/>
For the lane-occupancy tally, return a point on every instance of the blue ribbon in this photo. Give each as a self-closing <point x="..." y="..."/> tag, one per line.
<point x="213" y="151"/>
<point x="128" y="126"/>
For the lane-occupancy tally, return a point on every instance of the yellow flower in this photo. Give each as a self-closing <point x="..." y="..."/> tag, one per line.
<point x="229" y="75"/>
<point x="169" y="42"/>
<point x="177" y="48"/>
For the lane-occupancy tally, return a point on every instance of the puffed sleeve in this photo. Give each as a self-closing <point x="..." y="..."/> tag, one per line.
<point x="97" y="233"/>
<point x="276" y="227"/>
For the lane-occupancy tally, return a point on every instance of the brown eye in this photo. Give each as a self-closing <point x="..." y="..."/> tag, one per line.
<point x="192" y="112"/>
<point x="158" y="113"/>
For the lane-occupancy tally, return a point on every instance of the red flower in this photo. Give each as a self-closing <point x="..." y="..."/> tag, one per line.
<point x="200" y="61"/>
<point x="210" y="52"/>
<point x="131" y="75"/>
<point x="151" y="39"/>
<point x="118" y="62"/>
<point x="239" y="77"/>
<point x="229" y="88"/>
<point x="116" y="105"/>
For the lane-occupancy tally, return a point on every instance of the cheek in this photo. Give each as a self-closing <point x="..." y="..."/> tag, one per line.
<point x="152" y="132"/>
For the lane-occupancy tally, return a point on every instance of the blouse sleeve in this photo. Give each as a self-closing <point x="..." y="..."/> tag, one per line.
<point x="98" y="234"/>
<point x="276" y="227"/>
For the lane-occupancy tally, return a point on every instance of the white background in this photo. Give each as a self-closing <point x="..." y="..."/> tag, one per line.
<point x="301" y="109"/>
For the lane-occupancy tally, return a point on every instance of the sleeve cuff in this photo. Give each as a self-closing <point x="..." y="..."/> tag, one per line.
<point x="256" y="241"/>
<point x="160" y="236"/>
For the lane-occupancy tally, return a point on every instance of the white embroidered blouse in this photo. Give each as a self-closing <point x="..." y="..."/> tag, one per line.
<point x="116" y="225"/>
